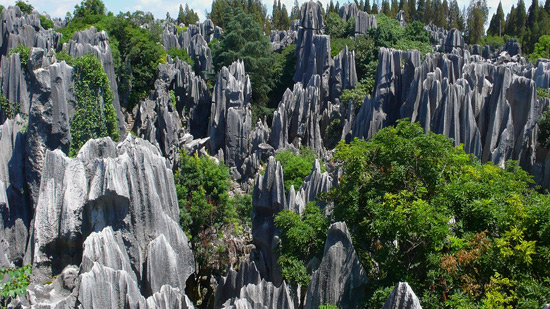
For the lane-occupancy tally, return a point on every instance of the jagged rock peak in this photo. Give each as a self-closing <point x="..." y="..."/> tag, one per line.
<point x="18" y="28"/>
<point x="349" y="10"/>
<point x="340" y="278"/>
<point x="402" y="297"/>
<point x="123" y="198"/>
<point x="364" y="22"/>
<point x="262" y="295"/>
<point x="311" y="16"/>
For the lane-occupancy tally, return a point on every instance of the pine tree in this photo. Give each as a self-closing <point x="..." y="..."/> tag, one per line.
<point x="386" y="8"/>
<point x="295" y="12"/>
<point x="420" y="10"/>
<point x="284" y="21"/>
<point x="428" y="12"/>
<point x="497" y="24"/>
<point x="547" y="6"/>
<point x="374" y="9"/>
<point x="456" y="19"/>
<point x="521" y="19"/>
<point x="477" y="17"/>
<point x="394" y="8"/>
<point x="368" y="7"/>
<point x="445" y="13"/>
<point x="532" y="18"/>
<point x="181" y="16"/>
<point x="362" y="5"/>
<point x="511" y="22"/>
<point x="412" y="10"/>
<point x="406" y="11"/>
<point x="439" y="17"/>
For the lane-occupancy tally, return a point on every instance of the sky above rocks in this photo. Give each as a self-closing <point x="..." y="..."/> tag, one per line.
<point x="58" y="8"/>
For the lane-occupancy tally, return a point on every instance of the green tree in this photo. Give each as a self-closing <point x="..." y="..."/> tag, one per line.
<point x="456" y="18"/>
<point x="244" y="39"/>
<point x="296" y="167"/>
<point x="89" y="7"/>
<point x="302" y="238"/>
<point x="386" y="10"/>
<point x="542" y="48"/>
<point x="461" y="233"/>
<point x="295" y="12"/>
<point x="477" y="17"/>
<point x="46" y="23"/>
<point x="94" y="115"/>
<point x="497" y="24"/>
<point x="24" y="6"/>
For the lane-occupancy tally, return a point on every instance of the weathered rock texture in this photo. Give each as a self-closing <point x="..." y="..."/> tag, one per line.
<point x="231" y="117"/>
<point x="262" y="295"/>
<point x="364" y="22"/>
<point x="490" y="108"/>
<point x="118" y="202"/>
<point x="18" y="28"/>
<point x="195" y="42"/>
<point x="402" y="297"/>
<point x="282" y="38"/>
<point x="95" y="42"/>
<point x="340" y="278"/>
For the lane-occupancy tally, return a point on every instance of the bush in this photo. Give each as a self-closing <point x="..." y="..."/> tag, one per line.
<point x="25" y="7"/>
<point x="337" y="44"/>
<point x="181" y="54"/>
<point x="296" y="167"/>
<point x="542" y="48"/>
<point x="24" y="54"/>
<point x="5" y="106"/>
<point x="13" y="282"/>
<point x="46" y="23"/>
<point x="461" y="233"/>
<point x="358" y="94"/>
<point x="95" y="115"/>
<point x="302" y="238"/>
<point x="285" y="63"/>
<point x="336" y="27"/>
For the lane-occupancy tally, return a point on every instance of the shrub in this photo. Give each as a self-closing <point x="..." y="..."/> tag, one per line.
<point x="46" y="23"/>
<point x="181" y="54"/>
<point x="302" y="238"/>
<point x="24" y="54"/>
<point x="296" y="167"/>
<point x="25" y="7"/>
<point x="13" y="282"/>
<point x="95" y="115"/>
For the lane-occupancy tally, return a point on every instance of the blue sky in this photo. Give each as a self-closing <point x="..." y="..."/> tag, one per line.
<point x="58" y="8"/>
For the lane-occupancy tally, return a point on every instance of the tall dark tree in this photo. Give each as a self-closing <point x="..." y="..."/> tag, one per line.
<point x="456" y="18"/>
<point x="295" y="12"/>
<point x="368" y="6"/>
<point x="420" y="10"/>
<point x="386" y="10"/>
<point x="412" y="9"/>
<point x="477" y="17"/>
<point x="521" y="19"/>
<point x="547" y="6"/>
<point x="428" y="16"/>
<point x="394" y="8"/>
<point x="89" y="7"/>
<point x="375" y="8"/>
<point x="362" y="5"/>
<point x="532" y="18"/>
<point x="243" y="39"/>
<point x="497" y="24"/>
<point x="181" y="15"/>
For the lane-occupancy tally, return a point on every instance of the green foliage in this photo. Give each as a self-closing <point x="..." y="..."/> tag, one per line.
<point x="542" y="48"/>
<point x="336" y="27"/>
<point x="544" y="121"/>
<point x="296" y="167"/>
<point x="390" y="34"/>
<point x="279" y="18"/>
<point x="477" y="18"/>
<point x="89" y="8"/>
<point x="13" y="282"/>
<point x="207" y="211"/>
<point x="187" y="16"/>
<point x="285" y="62"/>
<point x="25" y="7"/>
<point x="358" y="94"/>
<point x="223" y="11"/>
<point x="181" y="54"/>
<point x="95" y="115"/>
<point x="24" y="54"/>
<point x="337" y="44"/>
<point x="136" y="51"/>
<point x="244" y="39"/>
<point x="46" y="23"/>
<point x="302" y="238"/>
<point x="456" y="230"/>
<point x="328" y="306"/>
<point x="63" y="56"/>
<point x="494" y="41"/>
<point x="6" y="106"/>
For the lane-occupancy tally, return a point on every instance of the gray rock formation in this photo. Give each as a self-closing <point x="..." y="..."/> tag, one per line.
<point x="15" y="212"/>
<point x="316" y="182"/>
<point x="231" y="117"/>
<point x="348" y="11"/>
<point x="344" y="75"/>
<point x="18" y="28"/>
<point x="15" y="81"/>
<point x="268" y="200"/>
<point x="95" y="42"/>
<point x="262" y="295"/>
<point x="340" y="278"/>
<point x="454" y="40"/>
<point x="488" y="106"/>
<point x="113" y="200"/>
<point x="512" y="47"/>
<point x="402" y="297"/>
<point x="364" y="22"/>
<point x="282" y="38"/>
<point x="401" y="18"/>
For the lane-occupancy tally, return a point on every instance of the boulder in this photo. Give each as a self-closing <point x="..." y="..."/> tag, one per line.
<point x="402" y="297"/>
